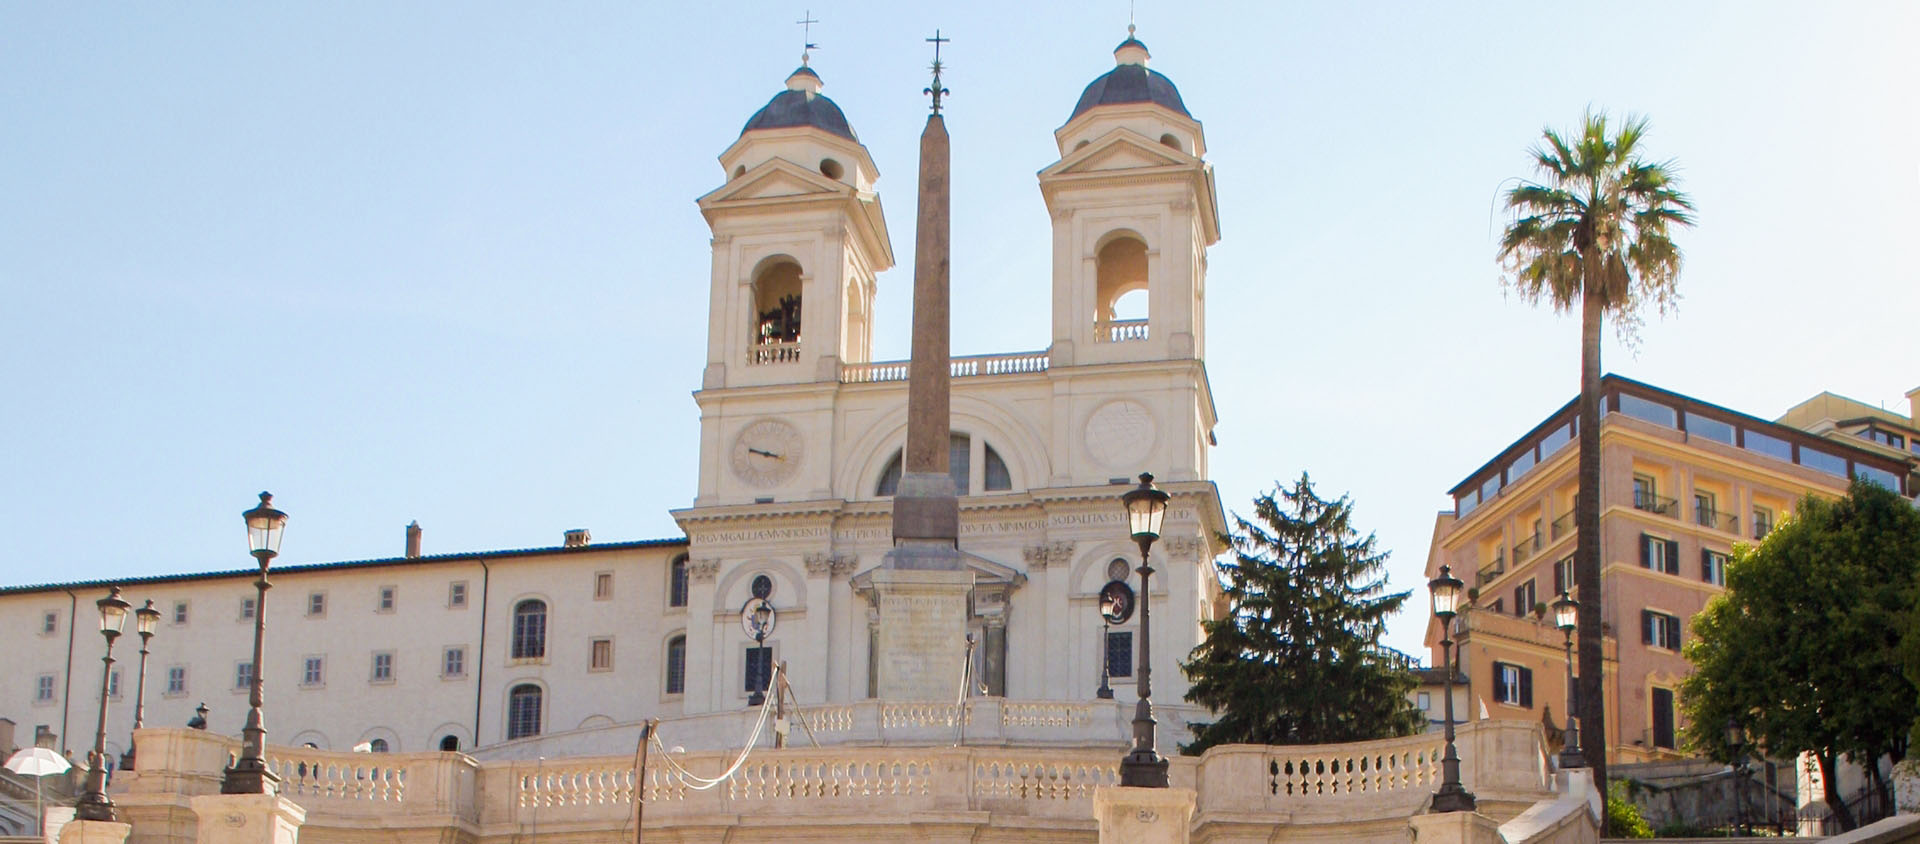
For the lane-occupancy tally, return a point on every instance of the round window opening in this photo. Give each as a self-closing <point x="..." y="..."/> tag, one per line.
<point x="1117" y="570"/>
<point x="740" y="171"/>
<point x="762" y="587"/>
<point x="831" y="168"/>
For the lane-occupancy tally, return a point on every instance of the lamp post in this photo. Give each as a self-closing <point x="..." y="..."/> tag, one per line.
<point x="1566" y="613"/>
<point x="93" y="804"/>
<point x="249" y="774"/>
<point x="1144" y="767"/>
<point x="1105" y="692"/>
<point x="1737" y="742"/>
<point x="758" y="616"/>
<point x="1452" y="796"/>
<point x="144" y="620"/>
<point x="1116" y="606"/>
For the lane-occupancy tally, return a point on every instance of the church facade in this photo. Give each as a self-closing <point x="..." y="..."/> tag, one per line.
<point x="801" y="434"/>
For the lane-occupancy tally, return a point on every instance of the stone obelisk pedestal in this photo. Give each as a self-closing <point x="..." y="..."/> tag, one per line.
<point x="247" y="819"/>
<point x="923" y="627"/>
<point x="94" y="832"/>
<point x="1144" y="815"/>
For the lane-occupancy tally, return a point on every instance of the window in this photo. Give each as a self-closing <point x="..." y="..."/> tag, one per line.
<point x="1498" y="606"/>
<point x="1659" y="630"/>
<point x="523" y="711"/>
<point x="1119" y="653"/>
<point x="1520" y="466"/>
<point x="1661" y="555"/>
<point x="314" y="672"/>
<point x="677" y="665"/>
<point x="316" y="603"/>
<point x="1662" y="718"/>
<point x="1552" y="443"/>
<point x="1524" y="598"/>
<point x="602" y="585"/>
<point x="386" y="599"/>
<point x="1704" y="511"/>
<point x="776" y="312"/>
<point x="457" y="593"/>
<point x="1117" y="568"/>
<point x="449" y="743"/>
<point x="1831" y="464"/>
<point x="179" y="612"/>
<point x="43" y="688"/>
<point x="243" y="675"/>
<point x="50" y="623"/>
<point x="1769" y="446"/>
<point x="1489" y="489"/>
<point x="113" y="683"/>
<point x="1706" y="428"/>
<point x="600" y="655"/>
<point x="1513" y="684"/>
<point x="1762" y="522"/>
<point x="383" y="667"/>
<point x="1713" y="567"/>
<point x="758" y="669"/>
<point x="1646" y="494"/>
<point x="959" y="468"/>
<point x="1424" y="700"/>
<point x="677" y="582"/>
<point x="176" y="680"/>
<point x="1563" y="576"/>
<point x="1464" y="504"/>
<point x="998" y="479"/>
<point x="1639" y="408"/>
<point x="453" y="662"/>
<point x="246" y="609"/>
<point x="1878" y="476"/>
<point x="530" y="629"/>
<point x="378" y="745"/>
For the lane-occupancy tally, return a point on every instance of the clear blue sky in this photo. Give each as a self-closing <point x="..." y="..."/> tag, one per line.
<point x="441" y="261"/>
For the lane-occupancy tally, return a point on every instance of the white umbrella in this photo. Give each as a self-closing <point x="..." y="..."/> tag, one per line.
<point x="37" y="762"/>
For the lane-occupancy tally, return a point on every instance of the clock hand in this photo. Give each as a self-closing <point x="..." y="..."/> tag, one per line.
<point x="763" y="453"/>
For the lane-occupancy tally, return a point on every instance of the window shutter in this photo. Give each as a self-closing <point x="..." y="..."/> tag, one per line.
<point x="1706" y="565"/>
<point x="1646" y="627"/>
<point x="1559" y="577"/>
<point x="1673" y="557"/>
<point x="1526" y="687"/>
<point x="1646" y="551"/>
<point x="1520" y="606"/>
<point x="1500" y="682"/>
<point x="1673" y="631"/>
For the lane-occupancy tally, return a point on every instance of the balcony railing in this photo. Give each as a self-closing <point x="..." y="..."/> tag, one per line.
<point x="766" y="353"/>
<point x="1654" y="503"/>
<point x="1012" y="363"/>
<point x="1119" y="330"/>
<point x="1492" y="570"/>
<point x="1562" y="526"/>
<point x="1710" y="517"/>
<point x="1524" y="547"/>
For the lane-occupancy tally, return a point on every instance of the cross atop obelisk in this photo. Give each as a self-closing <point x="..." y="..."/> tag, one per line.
<point x="936" y="90"/>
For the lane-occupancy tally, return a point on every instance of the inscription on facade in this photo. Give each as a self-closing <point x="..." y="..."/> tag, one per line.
<point x="733" y="537"/>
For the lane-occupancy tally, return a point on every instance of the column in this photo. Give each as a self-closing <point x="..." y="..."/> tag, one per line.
<point x="704" y="660"/>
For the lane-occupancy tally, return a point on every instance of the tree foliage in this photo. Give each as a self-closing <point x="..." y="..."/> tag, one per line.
<point x="1804" y="647"/>
<point x="1297" y="659"/>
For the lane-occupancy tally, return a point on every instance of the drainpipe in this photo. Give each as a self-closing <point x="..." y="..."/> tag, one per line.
<point x="66" y="694"/>
<point x="480" y="655"/>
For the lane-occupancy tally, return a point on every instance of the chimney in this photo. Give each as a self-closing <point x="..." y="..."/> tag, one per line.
<point x="413" y="539"/>
<point x="577" y="538"/>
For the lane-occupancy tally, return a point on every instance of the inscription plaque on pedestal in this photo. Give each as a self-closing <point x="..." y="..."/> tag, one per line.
<point x="922" y="637"/>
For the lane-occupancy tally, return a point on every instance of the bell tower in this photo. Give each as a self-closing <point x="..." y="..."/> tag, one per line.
<point x="1133" y="212"/>
<point x="798" y="237"/>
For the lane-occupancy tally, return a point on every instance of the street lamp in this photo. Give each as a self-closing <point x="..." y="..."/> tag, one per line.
<point x="1144" y="767"/>
<point x="94" y="805"/>
<point x="1737" y="742"/>
<point x="1566" y="613"/>
<point x="144" y="620"/>
<point x="758" y="617"/>
<point x="1452" y="796"/>
<point x="249" y="773"/>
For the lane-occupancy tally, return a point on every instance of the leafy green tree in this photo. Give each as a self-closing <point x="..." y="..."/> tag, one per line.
<point x="1593" y="233"/>
<point x="1804" y="647"/>
<point x="1297" y="657"/>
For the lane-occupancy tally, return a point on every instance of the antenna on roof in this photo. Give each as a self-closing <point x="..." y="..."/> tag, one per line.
<point x="807" y="46"/>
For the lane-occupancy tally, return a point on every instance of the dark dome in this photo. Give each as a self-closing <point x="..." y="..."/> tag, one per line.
<point x="799" y="106"/>
<point x="1131" y="83"/>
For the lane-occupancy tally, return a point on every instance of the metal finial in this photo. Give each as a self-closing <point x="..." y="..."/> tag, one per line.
<point x="807" y="46"/>
<point x="937" y="91"/>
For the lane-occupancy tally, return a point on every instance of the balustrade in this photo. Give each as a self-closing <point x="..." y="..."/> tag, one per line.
<point x="1014" y="363"/>
<point x="765" y="353"/>
<point x="1119" y="330"/>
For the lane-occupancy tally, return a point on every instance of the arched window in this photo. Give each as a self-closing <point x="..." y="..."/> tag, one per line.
<point x="378" y="745"/>
<point x="1120" y="270"/>
<point x="959" y="468"/>
<point x="677" y="582"/>
<point x="776" y="313"/>
<point x="450" y="743"/>
<point x="530" y="629"/>
<point x="677" y="665"/>
<point x="523" y="711"/>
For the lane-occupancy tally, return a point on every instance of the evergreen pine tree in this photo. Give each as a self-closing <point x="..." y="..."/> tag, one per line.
<point x="1297" y="657"/>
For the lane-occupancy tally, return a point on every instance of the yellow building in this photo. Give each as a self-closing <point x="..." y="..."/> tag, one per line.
<point x="1681" y="482"/>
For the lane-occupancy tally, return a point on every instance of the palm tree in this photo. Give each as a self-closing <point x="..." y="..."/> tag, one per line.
<point x="1592" y="234"/>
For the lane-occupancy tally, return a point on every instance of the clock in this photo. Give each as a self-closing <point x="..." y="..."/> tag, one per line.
<point x="767" y="453"/>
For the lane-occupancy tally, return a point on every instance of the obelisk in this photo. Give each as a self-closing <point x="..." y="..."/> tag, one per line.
<point x="922" y="585"/>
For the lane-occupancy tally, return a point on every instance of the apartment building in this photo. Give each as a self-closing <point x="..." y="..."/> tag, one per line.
<point x="1682" y="482"/>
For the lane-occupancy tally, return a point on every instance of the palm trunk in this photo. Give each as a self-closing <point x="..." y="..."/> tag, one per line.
<point x="1830" y="782"/>
<point x="1586" y="562"/>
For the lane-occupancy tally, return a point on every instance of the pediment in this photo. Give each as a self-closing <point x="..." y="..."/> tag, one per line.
<point x="775" y="179"/>
<point x="1120" y="149"/>
<point x="986" y="572"/>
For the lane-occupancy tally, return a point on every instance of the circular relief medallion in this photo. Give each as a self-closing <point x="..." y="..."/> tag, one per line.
<point x="1120" y="434"/>
<point x="767" y="453"/>
<point x="234" y="819"/>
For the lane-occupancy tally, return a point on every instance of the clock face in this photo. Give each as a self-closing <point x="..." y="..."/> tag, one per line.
<point x="767" y="453"/>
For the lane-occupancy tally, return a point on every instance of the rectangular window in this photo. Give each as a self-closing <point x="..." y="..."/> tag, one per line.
<point x="1521" y="465"/>
<point x="50" y="623"/>
<point x="314" y="672"/>
<point x="243" y="676"/>
<point x="1119" y="653"/>
<point x="1490" y="488"/>
<point x="1659" y="630"/>
<point x="677" y="582"/>
<point x="677" y="665"/>
<point x="1707" y="428"/>
<point x="1552" y="443"/>
<point x="246" y="609"/>
<point x="759" y="669"/>
<point x="383" y="667"/>
<point x="1831" y="464"/>
<point x="179" y="612"/>
<point x="453" y="662"/>
<point x="1524" y="597"/>
<point x="1762" y="522"/>
<point x="1424" y="700"/>
<point x="1770" y="446"/>
<point x="1465" y="504"/>
<point x="43" y="688"/>
<point x="1650" y="411"/>
<point x="457" y="593"/>
<point x="1663" y="718"/>
<point x="1513" y="684"/>
<point x="602" y="585"/>
<point x="1713" y="567"/>
<point x="177" y="680"/>
<point x="600" y="655"/>
<point x="1498" y="606"/>
<point x="386" y="600"/>
<point x="1646" y="494"/>
<point x="1661" y="555"/>
<point x="316" y="603"/>
<point x="113" y="683"/>
<point x="1705" y="513"/>
<point x="1563" y="576"/>
<point x="1876" y="476"/>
